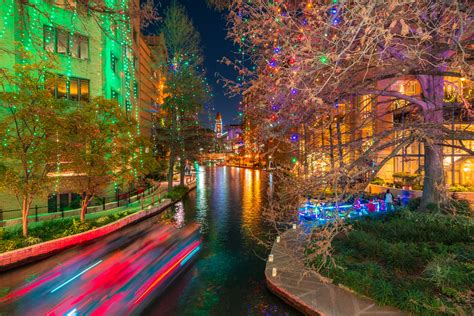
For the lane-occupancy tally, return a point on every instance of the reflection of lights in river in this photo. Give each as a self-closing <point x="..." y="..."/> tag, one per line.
<point x="251" y="199"/>
<point x="179" y="215"/>
<point x="201" y="200"/>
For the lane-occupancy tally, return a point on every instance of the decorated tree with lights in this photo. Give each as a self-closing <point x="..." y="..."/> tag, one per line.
<point x="315" y="57"/>
<point x="186" y="90"/>
<point x="99" y="151"/>
<point x="31" y="121"/>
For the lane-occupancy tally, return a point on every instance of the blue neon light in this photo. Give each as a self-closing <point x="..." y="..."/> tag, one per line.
<point x="76" y="276"/>
<point x="190" y="255"/>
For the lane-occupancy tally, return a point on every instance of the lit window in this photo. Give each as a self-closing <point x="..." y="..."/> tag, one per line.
<point x="73" y="89"/>
<point x="61" y="88"/>
<point x="84" y="90"/>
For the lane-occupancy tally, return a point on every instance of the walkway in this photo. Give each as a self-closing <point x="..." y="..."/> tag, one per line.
<point x="306" y="291"/>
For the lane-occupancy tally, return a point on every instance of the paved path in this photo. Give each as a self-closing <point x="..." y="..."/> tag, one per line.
<point x="306" y="292"/>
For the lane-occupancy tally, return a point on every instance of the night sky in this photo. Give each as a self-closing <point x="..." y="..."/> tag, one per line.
<point x="211" y="26"/>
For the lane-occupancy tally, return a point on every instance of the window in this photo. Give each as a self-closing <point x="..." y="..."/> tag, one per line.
<point x="135" y="89"/>
<point x="113" y="63"/>
<point x="61" y="88"/>
<point x="84" y="47"/>
<point x="60" y="41"/>
<point x="49" y="39"/>
<point x="84" y="90"/>
<point x="75" y="89"/>
<point x="80" y="47"/>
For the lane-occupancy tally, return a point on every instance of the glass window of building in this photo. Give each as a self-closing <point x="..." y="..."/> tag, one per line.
<point x="49" y="38"/>
<point x="61" y="88"/>
<point x="74" y="89"/>
<point x="84" y="90"/>
<point x="75" y="48"/>
<point x="84" y="47"/>
<point x="62" y="41"/>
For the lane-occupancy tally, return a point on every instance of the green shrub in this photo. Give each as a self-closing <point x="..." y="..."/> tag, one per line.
<point x="459" y="207"/>
<point x="461" y="188"/>
<point x="419" y="262"/>
<point x="31" y="240"/>
<point x="414" y="204"/>
<point x="378" y="181"/>
<point x="177" y="192"/>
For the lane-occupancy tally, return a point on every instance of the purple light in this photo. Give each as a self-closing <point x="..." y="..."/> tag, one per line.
<point x="333" y="11"/>
<point x="276" y="50"/>
<point x="273" y="63"/>
<point x="294" y="137"/>
<point x="336" y="21"/>
<point x="294" y="91"/>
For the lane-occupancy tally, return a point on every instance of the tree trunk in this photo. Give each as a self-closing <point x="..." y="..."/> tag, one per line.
<point x="171" y="170"/>
<point x="434" y="185"/>
<point x="173" y="145"/>
<point x="85" y="204"/>
<point x="25" y="209"/>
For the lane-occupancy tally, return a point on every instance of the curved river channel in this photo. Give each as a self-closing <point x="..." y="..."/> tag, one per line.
<point x="226" y="277"/>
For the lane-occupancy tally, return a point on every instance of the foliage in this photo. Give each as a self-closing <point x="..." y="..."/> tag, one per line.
<point x="103" y="147"/>
<point x="378" y="181"/>
<point x="406" y="177"/>
<point x="418" y="262"/>
<point x="185" y="91"/>
<point x="30" y="122"/>
<point x="461" y="188"/>
<point x="330" y="70"/>
<point x="11" y="237"/>
<point x="177" y="192"/>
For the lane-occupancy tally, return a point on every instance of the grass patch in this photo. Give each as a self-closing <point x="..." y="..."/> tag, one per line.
<point x="422" y="263"/>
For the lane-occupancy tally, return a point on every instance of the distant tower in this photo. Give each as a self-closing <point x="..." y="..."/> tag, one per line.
<point x="218" y="127"/>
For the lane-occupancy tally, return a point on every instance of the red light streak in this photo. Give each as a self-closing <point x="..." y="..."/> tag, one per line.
<point x="164" y="274"/>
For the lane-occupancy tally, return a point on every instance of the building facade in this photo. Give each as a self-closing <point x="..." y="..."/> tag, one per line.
<point x="94" y="54"/>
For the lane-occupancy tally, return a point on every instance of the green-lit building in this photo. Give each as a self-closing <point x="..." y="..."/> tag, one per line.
<point x="93" y="51"/>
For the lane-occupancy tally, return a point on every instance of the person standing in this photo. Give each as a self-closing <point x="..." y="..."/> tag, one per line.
<point x="388" y="200"/>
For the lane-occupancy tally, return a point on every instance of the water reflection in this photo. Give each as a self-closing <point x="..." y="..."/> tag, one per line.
<point x="228" y="278"/>
<point x="201" y="199"/>
<point x="251" y="200"/>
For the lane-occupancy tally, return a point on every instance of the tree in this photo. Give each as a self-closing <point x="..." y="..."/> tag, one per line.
<point x="30" y="125"/>
<point x="313" y="57"/>
<point x="185" y="90"/>
<point x="104" y="148"/>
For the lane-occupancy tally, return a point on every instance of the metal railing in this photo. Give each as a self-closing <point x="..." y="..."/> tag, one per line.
<point x="42" y="213"/>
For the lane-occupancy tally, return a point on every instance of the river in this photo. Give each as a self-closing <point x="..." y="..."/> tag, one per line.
<point x="228" y="276"/>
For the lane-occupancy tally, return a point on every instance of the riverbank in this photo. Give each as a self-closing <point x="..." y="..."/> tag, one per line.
<point x="17" y="257"/>
<point x="311" y="294"/>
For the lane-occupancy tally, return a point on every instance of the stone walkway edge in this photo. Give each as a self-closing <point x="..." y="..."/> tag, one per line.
<point x="18" y="257"/>
<point x="306" y="292"/>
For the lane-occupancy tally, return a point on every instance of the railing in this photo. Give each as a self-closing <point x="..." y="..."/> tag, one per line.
<point x="147" y="197"/>
<point x="154" y="193"/>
